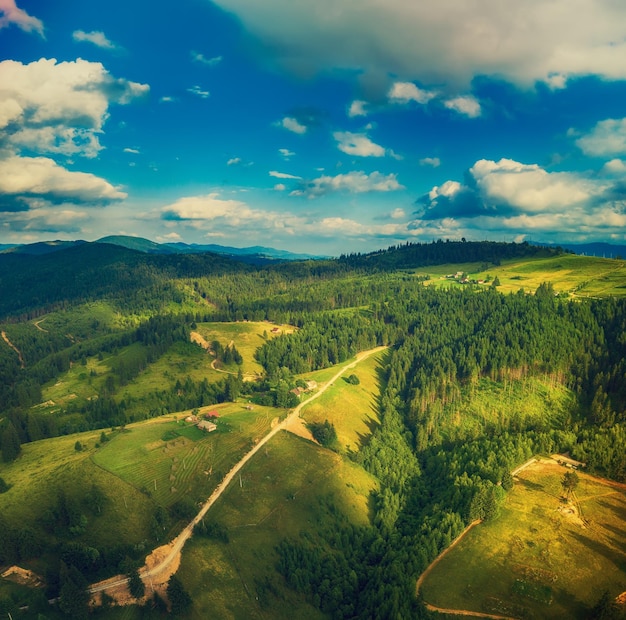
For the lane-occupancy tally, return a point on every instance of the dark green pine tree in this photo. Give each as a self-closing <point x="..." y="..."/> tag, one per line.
<point x="10" y="444"/>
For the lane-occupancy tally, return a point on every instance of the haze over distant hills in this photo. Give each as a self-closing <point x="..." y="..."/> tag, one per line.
<point x="256" y="254"/>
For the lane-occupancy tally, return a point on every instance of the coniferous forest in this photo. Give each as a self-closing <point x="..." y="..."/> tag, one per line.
<point x="444" y="344"/>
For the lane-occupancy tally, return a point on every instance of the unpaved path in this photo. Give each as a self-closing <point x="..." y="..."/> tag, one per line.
<point x="200" y="340"/>
<point x="19" y="353"/>
<point x="38" y="326"/>
<point x="163" y="562"/>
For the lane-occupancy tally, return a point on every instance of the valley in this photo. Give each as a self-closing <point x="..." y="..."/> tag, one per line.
<point x="415" y="395"/>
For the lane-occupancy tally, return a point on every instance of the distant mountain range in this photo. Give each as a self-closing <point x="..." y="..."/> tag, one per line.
<point x="255" y="255"/>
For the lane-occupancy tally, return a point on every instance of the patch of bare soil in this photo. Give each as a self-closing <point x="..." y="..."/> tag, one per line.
<point x="199" y="339"/>
<point x="23" y="576"/>
<point x="297" y="426"/>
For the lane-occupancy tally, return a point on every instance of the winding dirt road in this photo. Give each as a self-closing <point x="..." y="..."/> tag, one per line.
<point x="19" y="353"/>
<point x="163" y="562"/>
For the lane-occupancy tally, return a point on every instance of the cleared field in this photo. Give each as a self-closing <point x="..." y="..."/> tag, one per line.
<point x="541" y="558"/>
<point x="247" y="337"/>
<point x="45" y="467"/>
<point x="351" y="408"/>
<point x="167" y="458"/>
<point x="579" y="276"/>
<point x="283" y="491"/>
<point x="532" y="401"/>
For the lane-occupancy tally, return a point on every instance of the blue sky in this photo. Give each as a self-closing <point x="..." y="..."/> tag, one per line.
<point x="323" y="127"/>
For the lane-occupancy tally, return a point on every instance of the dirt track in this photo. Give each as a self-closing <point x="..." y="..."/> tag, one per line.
<point x="163" y="562"/>
<point x="19" y="353"/>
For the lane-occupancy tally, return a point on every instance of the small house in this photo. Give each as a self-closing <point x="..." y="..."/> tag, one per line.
<point x="205" y="425"/>
<point x="191" y="419"/>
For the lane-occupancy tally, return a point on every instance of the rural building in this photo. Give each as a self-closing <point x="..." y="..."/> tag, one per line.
<point x="192" y="419"/>
<point x="211" y="415"/>
<point x="205" y="425"/>
<point x="311" y="385"/>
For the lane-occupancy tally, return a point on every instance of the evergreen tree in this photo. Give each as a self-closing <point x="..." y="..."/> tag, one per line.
<point x="10" y="443"/>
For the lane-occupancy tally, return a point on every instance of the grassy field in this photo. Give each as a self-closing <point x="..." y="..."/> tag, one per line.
<point x="247" y="336"/>
<point x="283" y="493"/>
<point x="578" y="276"/>
<point x="351" y="408"/>
<point x="532" y="401"/>
<point x="47" y="466"/>
<point x="168" y="458"/>
<point x="541" y="558"/>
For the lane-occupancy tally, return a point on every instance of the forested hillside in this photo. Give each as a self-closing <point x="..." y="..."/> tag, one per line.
<point x="474" y="383"/>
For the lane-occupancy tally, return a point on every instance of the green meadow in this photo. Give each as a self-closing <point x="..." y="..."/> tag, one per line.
<point x="540" y="558"/>
<point x="282" y="493"/>
<point x="168" y="458"/>
<point x="247" y="337"/>
<point x="352" y="409"/>
<point x="570" y="274"/>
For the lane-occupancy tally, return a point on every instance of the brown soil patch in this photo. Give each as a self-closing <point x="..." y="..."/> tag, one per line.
<point x="297" y="426"/>
<point x="199" y="339"/>
<point x="23" y="576"/>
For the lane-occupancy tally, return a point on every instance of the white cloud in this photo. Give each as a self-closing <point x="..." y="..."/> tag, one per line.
<point x="607" y="138"/>
<point x="293" y="125"/>
<point x="197" y="90"/>
<point x="466" y="105"/>
<point x="614" y="167"/>
<point x="11" y="14"/>
<point x="233" y="161"/>
<point x="167" y="99"/>
<point x="132" y="151"/>
<point x="510" y="198"/>
<point x="60" y="107"/>
<point x="397" y="214"/>
<point x="357" y="144"/>
<point x="169" y="238"/>
<point x="353" y="182"/>
<point x="41" y="176"/>
<point x="96" y="37"/>
<point x="529" y="187"/>
<point x="282" y="175"/>
<point x="444" y="42"/>
<point x="286" y="153"/>
<point x="404" y="92"/>
<point x="203" y="60"/>
<point x="280" y="187"/>
<point x="357" y="108"/>
<point x="435" y="162"/>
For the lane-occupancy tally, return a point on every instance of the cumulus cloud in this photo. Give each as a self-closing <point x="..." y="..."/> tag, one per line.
<point x="292" y="124"/>
<point x="607" y="138"/>
<point x="466" y="105"/>
<point x="26" y="177"/>
<point x="283" y="175"/>
<point x="353" y="182"/>
<point x="435" y="162"/>
<point x="11" y="14"/>
<point x="615" y="167"/>
<point x="420" y="41"/>
<point x="405" y="92"/>
<point x="233" y="161"/>
<point x="199" y="92"/>
<point x="52" y="107"/>
<point x="357" y="108"/>
<point x="521" y="199"/>
<point x="203" y="60"/>
<point x="357" y="144"/>
<point x="280" y="187"/>
<point x="507" y="187"/>
<point x="96" y="37"/>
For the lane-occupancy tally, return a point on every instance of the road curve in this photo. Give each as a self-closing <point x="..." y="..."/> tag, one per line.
<point x="178" y="543"/>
